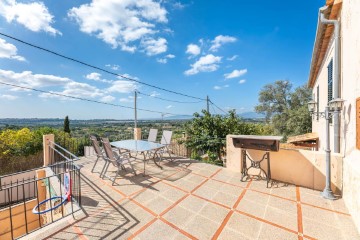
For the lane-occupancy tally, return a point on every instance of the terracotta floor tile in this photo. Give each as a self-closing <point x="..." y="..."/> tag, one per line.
<point x="108" y="214"/>
<point x="252" y="208"/>
<point x="213" y="212"/>
<point x="179" y="216"/>
<point x="282" y="204"/>
<point x="192" y="204"/>
<point x="158" y="230"/>
<point x="322" y="231"/>
<point x="228" y="234"/>
<point x="246" y="226"/>
<point x="201" y="227"/>
<point x="269" y="232"/>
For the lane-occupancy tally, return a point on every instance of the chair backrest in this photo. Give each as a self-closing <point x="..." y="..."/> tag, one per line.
<point x="166" y="137"/>
<point x="152" y="135"/>
<point x="108" y="150"/>
<point x="96" y="146"/>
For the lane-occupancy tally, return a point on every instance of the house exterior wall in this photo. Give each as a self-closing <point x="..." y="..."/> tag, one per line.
<point x="350" y="91"/>
<point x="349" y="18"/>
<point x="318" y="125"/>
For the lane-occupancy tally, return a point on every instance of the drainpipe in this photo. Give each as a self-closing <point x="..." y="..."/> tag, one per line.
<point x="336" y="79"/>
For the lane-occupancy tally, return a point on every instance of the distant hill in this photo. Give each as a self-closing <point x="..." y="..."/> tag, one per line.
<point x="251" y="115"/>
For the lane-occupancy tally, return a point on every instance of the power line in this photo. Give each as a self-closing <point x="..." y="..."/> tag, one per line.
<point x="218" y="107"/>
<point x="164" y="99"/>
<point x="89" y="100"/>
<point x="98" y="68"/>
<point x="213" y="109"/>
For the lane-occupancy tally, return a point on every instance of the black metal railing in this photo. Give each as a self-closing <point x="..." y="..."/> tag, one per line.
<point x="21" y="192"/>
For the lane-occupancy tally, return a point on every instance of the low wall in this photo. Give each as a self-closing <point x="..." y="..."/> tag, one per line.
<point x="300" y="167"/>
<point x="18" y="220"/>
<point x="16" y="194"/>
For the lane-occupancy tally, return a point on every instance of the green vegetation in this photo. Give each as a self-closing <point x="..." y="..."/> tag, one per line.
<point x="21" y="149"/>
<point x="207" y="133"/>
<point x="285" y="110"/>
<point x="67" y="125"/>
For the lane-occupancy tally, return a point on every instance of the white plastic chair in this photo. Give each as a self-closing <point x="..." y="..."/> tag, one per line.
<point x="166" y="141"/>
<point x="152" y="135"/>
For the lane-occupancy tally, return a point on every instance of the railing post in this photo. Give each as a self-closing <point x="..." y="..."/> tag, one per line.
<point x="137" y="133"/>
<point x="48" y="153"/>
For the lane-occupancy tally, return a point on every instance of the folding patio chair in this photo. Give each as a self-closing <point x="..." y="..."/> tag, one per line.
<point x="166" y="141"/>
<point x="117" y="160"/>
<point x="98" y="151"/>
<point x="152" y="135"/>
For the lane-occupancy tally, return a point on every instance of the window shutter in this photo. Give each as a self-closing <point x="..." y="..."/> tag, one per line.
<point x="317" y="103"/>
<point x="358" y="123"/>
<point x="330" y="81"/>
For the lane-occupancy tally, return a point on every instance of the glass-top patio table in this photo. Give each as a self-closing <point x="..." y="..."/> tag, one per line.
<point x="139" y="146"/>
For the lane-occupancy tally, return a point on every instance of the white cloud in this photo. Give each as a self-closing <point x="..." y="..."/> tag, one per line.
<point x="70" y="87"/>
<point x="8" y="97"/>
<point x="154" y="94"/>
<point x="97" y="77"/>
<point x="153" y="47"/>
<point x="113" y="67"/>
<point x="94" y="76"/>
<point x="219" y="41"/>
<point x="28" y="79"/>
<point x="162" y="60"/>
<point x="122" y="86"/>
<point x="165" y="59"/>
<point x="126" y="100"/>
<point x="179" y="5"/>
<point x="75" y="89"/>
<point x="193" y="49"/>
<point x="169" y="106"/>
<point x="35" y="16"/>
<point x="8" y="50"/>
<point x="242" y="81"/>
<point x="221" y="87"/>
<point x="206" y="63"/>
<point x="120" y="23"/>
<point x="235" y="73"/>
<point x="126" y="75"/>
<point x="107" y="99"/>
<point x="232" y="58"/>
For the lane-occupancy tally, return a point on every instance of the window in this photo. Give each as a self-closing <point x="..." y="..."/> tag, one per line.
<point x="317" y="103"/>
<point x="330" y="81"/>
<point x="358" y="123"/>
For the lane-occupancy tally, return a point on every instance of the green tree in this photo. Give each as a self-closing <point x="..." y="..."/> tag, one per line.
<point x="67" y="125"/>
<point x="208" y="132"/>
<point x="285" y="110"/>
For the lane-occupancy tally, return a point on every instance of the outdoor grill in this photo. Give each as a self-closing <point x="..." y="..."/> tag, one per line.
<point x="262" y="143"/>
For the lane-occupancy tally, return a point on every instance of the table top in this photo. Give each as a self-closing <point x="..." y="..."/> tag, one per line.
<point x="137" y="145"/>
<point x="257" y="137"/>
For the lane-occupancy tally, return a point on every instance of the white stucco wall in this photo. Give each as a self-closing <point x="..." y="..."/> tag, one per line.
<point x="349" y="18"/>
<point x="350" y="82"/>
<point x="322" y="81"/>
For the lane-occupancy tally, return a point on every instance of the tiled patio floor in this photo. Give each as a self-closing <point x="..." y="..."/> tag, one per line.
<point x="193" y="200"/>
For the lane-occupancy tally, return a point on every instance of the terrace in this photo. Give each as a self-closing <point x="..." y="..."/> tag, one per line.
<point x="189" y="199"/>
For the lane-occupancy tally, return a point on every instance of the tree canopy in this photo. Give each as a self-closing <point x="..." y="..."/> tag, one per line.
<point x="284" y="108"/>
<point x="66" y="125"/>
<point x="208" y="132"/>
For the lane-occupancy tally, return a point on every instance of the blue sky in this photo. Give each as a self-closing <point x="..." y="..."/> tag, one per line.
<point x="225" y="49"/>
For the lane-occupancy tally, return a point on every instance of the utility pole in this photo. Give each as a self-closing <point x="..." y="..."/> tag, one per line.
<point x="135" y="109"/>
<point x="207" y="103"/>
